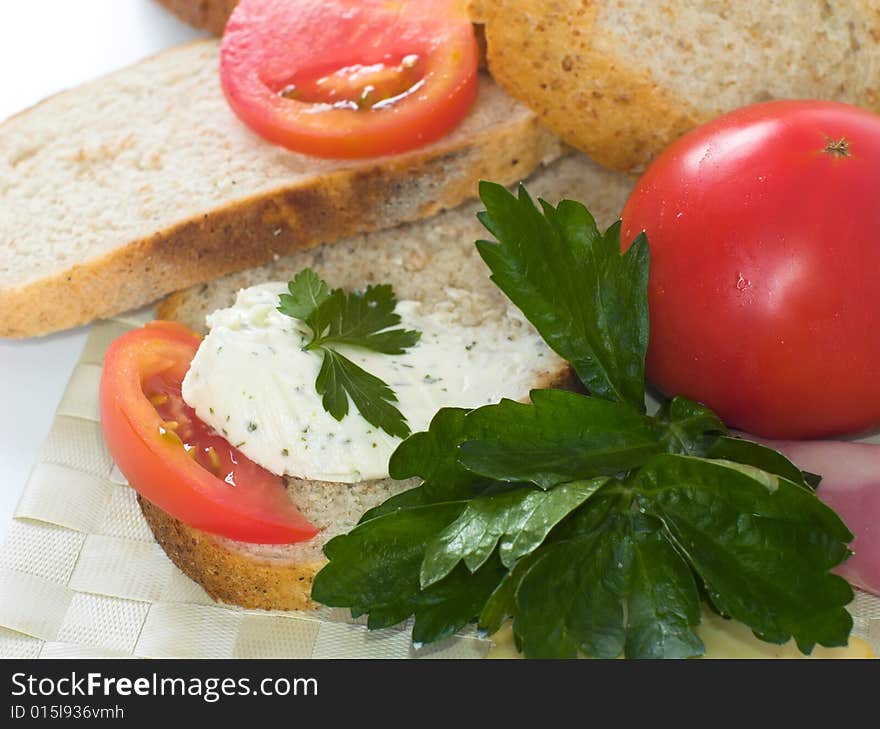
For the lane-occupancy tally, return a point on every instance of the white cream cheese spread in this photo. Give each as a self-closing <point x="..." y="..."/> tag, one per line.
<point x="253" y="383"/>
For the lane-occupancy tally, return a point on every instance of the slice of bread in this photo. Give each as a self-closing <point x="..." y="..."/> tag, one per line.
<point x="144" y="182"/>
<point x="621" y="79"/>
<point x="433" y="261"/>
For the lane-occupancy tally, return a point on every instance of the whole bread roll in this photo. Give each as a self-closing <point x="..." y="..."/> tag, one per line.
<point x="621" y="79"/>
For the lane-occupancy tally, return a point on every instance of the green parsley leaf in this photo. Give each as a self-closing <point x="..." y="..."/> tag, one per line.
<point x="358" y="319"/>
<point x="596" y="529"/>
<point x="340" y="379"/>
<point x="501" y="603"/>
<point x="754" y="454"/>
<point x="446" y="607"/>
<point x="307" y="293"/>
<point x="404" y="500"/>
<point x="520" y="519"/>
<point x="690" y="428"/>
<point x="571" y="599"/>
<point x="587" y="300"/>
<point x="663" y="604"/>
<point x="388" y="551"/>
<point x="560" y="436"/>
<point x="433" y="456"/>
<point x="363" y="319"/>
<point x="375" y="568"/>
<point x="610" y="601"/>
<point x="762" y="545"/>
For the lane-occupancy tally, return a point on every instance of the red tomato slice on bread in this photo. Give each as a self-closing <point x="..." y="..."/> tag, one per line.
<point x="173" y="459"/>
<point x="349" y="78"/>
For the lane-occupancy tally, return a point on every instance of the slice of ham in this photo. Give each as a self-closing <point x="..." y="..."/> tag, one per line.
<point x="851" y="486"/>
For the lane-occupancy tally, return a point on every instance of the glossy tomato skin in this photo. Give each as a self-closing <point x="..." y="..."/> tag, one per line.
<point x="764" y="291"/>
<point x="239" y="500"/>
<point x="272" y="49"/>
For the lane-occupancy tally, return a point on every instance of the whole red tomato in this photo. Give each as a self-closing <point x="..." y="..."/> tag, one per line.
<point x="764" y="294"/>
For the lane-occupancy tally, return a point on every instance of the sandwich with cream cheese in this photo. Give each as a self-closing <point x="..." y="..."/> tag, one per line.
<point x="434" y="267"/>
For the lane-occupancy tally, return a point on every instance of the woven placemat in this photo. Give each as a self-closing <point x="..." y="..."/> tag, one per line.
<point x="82" y="576"/>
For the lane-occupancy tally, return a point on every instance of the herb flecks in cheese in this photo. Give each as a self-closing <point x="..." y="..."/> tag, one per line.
<point x="253" y="381"/>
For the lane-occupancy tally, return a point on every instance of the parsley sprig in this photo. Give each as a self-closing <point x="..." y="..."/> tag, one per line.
<point x="598" y="529"/>
<point x="358" y="319"/>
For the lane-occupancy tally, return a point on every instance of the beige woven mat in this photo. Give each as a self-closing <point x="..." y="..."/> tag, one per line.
<point x="81" y="576"/>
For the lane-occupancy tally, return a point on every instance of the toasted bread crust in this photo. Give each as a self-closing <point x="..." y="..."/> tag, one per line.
<point x="613" y="111"/>
<point x="229" y="575"/>
<point x="259" y="228"/>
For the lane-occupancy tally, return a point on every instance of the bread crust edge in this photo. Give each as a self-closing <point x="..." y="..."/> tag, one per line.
<point x="257" y="229"/>
<point x="228" y="575"/>
<point x="615" y="112"/>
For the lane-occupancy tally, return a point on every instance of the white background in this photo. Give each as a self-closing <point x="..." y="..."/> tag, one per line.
<point x="47" y="46"/>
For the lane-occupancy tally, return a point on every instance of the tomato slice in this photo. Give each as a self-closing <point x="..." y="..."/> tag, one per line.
<point x="349" y="78"/>
<point x="172" y="458"/>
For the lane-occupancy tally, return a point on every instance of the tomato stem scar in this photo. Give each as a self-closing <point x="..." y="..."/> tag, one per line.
<point x="838" y="148"/>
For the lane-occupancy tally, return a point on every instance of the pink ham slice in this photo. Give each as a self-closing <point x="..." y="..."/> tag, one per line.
<point x="851" y="486"/>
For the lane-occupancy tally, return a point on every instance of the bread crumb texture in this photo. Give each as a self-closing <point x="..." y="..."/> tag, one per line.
<point x="621" y="79"/>
<point x="433" y="261"/>
<point x="144" y="182"/>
